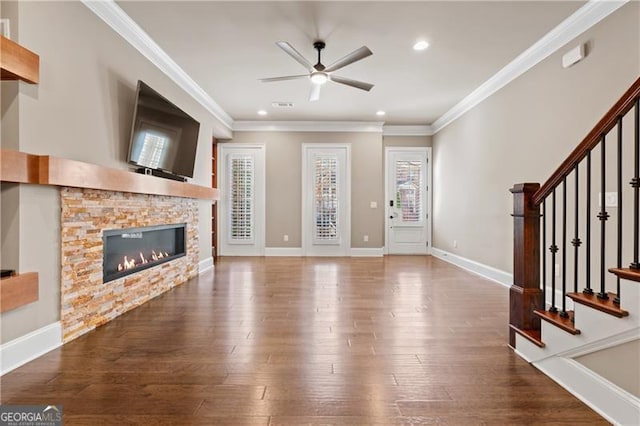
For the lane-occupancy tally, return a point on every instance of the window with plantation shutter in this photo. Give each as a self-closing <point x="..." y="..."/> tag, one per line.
<point x="240" y="181"/>
<point x="326" y="198"/>
<point x="409" y="190"/>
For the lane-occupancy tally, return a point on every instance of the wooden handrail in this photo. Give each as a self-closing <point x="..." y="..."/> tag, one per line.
<point x="624" y="104"/>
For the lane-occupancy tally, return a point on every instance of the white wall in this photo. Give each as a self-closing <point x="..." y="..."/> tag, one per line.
<point x="522" y="133"/>
<point x="81" y="109"/>
<point x="608" y="362"/>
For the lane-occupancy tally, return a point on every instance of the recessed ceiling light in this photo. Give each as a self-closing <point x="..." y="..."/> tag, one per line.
<point x="262" y="112"/>
<point x="380" y="113"/>
<point x="421" y="45"/>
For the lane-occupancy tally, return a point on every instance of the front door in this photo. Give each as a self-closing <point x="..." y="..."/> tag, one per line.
<point x="407" y="201"/>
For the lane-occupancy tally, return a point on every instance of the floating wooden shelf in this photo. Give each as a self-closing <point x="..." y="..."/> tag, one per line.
<point x="18" y="167"/>
<point x="18" y="290"/>
<point x="18" y="63"/>
<point x="47" y="170"/>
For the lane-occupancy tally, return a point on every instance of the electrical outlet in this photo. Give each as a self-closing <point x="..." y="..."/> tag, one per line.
<point x="557" y="270"/>
<point x="455" y="243"/>
<point x="365" y="238"/>
<point x="373" y="205"/>
<point x="285" y="238"/>
<point x="610" y="199"/>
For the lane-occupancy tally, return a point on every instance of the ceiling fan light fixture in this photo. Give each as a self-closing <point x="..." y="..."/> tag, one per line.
<point x="319" y="78"/>
<point x="421" y="45"/>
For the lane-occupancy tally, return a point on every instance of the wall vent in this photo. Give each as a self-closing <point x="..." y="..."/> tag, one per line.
<point x="282" y="104"/>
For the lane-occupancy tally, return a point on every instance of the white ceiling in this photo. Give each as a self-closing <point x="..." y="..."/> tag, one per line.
<point x="227" y="46"/>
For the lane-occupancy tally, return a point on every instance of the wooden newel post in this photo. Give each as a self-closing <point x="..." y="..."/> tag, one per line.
<point x="525" y="294"/>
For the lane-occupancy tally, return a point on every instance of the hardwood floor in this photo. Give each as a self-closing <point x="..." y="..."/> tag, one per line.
<point x="275" y="341"/>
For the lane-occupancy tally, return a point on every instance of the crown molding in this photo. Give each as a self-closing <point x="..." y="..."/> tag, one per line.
<point x="580" y="21"/>
<point x="127" y="28"/>
<point x="308" y="126"/>
<point x="410" y="130"/>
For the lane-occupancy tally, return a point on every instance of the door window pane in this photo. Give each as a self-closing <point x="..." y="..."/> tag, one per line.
<point x="241" y="172"/>
<point x="326" y="198"/>
<point x="409" y="190"/>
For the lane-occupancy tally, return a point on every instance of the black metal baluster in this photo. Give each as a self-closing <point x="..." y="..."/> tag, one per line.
<point x="553" y="249"/>
<point x="544" y="254"/>
<point x="576" y="240"/>
<point x="603" y="216"/>
<point x="587" y="277"/>
<point x="635" y="184"/>
<point x="616" y="300"/>
<point x="563" y="312"/>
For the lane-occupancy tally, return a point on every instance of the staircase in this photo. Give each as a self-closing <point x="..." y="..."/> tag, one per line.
<point x="576" y="287"/>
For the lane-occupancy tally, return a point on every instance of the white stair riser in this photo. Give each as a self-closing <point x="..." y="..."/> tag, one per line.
<point x="594" y="325"/>
<point x="528" y="350"/>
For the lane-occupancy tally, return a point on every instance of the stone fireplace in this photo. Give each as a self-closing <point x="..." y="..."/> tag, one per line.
<point x="92" y="292"/>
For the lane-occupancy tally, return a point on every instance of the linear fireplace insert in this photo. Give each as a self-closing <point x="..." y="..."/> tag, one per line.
<point x="130" y="250"/>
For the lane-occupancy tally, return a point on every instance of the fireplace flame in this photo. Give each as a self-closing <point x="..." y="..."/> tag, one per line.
<point x="130" y="263"/>
<point x="158" y="255"/>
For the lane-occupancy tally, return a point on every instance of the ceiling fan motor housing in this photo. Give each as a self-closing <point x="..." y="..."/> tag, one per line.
<point x="319" y="45"/>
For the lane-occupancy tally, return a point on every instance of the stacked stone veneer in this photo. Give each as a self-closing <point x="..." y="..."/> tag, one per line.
<point x="87" y="302"/>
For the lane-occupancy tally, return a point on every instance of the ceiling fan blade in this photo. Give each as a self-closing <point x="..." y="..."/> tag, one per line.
<point x="352" y="57"/>
<point x="287" y="77"/>
<point x="315" y="92"/>
<point x="353" y="83"/>
<point x="294" y="54"/>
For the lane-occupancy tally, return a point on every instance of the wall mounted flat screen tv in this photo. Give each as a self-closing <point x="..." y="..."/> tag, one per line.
<point x="164" y="138"/>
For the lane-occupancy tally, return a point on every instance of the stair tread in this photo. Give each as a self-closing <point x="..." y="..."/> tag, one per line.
<point x="534" y="336"/>
<point x="627" y="273"/>
<point x="606" y="306"/>
<point x="565" y="324"/>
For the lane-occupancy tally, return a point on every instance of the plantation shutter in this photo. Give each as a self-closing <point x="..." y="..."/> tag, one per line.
<point x="326" y="208"/>
<point x="240" y="178"/>
<point x="409" y="190"/>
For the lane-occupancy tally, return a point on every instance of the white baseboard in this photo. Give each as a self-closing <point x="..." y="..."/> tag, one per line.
<point x="297" y="252"/>
<point x="610" y="401"/>
<point x="283" y="251"/>
<point x="488" y="272"/>
<point x="367" y="252"/>
<point x="26" y="348"/>
<point x="205" y="264"/>
<point x="602" y="344"/>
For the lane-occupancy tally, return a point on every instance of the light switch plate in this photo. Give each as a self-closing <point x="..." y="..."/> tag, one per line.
<point x="373" y="205"/>
<point x="4" y="27"/>
<point x="610" y="199"/>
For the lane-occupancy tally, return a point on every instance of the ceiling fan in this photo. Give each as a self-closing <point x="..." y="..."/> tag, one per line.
<point x="318" y="73"/>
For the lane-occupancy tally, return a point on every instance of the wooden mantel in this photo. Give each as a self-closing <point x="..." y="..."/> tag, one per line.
<point x="18" y="63"/>
<point x="21" y="167"/>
